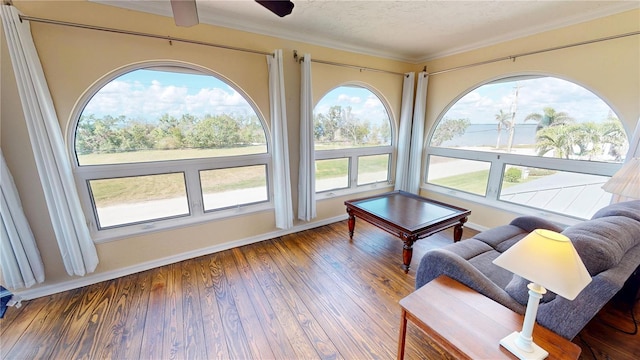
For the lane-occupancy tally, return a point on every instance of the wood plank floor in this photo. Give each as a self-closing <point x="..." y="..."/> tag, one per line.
<point x="309" y="295"/>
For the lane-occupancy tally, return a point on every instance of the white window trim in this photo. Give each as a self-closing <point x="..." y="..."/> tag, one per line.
<point x="190" y="168"/>
<point x="352" y="153"/>
<point x="498" y="161"/>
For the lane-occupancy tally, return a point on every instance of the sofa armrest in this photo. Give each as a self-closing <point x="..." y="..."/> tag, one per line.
<point x="439" y="262"/>
<point x="530" y="223"/>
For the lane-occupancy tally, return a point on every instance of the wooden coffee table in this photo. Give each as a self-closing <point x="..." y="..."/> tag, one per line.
<point x="468" y="325"/>
<point x="407" y="216"/>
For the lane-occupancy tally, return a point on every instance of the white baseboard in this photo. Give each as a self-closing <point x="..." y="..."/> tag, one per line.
<point x="476" y="227"/>
<point x="90" y="279"/>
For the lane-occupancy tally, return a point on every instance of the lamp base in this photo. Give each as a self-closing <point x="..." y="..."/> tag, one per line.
<point x="509" y="342"/>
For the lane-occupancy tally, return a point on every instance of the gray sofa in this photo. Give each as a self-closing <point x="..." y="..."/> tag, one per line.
<point x="608" y="244"/>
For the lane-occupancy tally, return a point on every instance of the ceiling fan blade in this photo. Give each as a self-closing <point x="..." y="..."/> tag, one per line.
<point x="185" y="12"/>
<point x="281" y="8"/>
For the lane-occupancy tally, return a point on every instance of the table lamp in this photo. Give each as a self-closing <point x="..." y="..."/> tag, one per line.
<point x="549" y="260"/>
<point x="626" y="181"/>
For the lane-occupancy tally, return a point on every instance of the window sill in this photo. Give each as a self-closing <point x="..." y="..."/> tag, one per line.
<point x="344" y="192"/>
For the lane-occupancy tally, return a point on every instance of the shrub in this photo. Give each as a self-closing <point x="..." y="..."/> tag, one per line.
<point x="513" y="175"/>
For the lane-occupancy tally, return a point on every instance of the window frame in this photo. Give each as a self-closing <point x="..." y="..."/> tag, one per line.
<point x="499" y="161"/>
<point x="353" y="153"/>
<point x="189" y="167"/>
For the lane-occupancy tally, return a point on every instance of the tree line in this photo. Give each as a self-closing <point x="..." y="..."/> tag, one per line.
<point x="108" y="134"/>
<point x="556" y="132"/>
<point x="340" y="125"/>
<point x="559" y="133"/>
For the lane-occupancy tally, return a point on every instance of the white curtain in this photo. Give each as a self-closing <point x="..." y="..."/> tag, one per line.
<point x="21" y="263"/>
<point x="307" y="174"/>
<point x="404" y="136"/>
<point x="279" y="140"/>
<point x="417" y="134"/>
<point x="76" y="247"/>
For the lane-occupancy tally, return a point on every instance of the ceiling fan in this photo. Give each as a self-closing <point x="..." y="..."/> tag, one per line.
<point x="185" y="12"/>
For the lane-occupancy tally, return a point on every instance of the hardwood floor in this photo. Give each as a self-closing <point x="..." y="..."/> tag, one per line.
<point x="309" y="295"/>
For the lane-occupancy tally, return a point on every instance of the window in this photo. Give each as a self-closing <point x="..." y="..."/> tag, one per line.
<point x="353" y="140"/>
<point x="532" y="141"/>
<point x="168" y="143"/>
<point x="465" y="175"/>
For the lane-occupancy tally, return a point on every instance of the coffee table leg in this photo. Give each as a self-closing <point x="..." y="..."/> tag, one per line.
<point x="457" y="230"/>
<point x="403" y="334"/>
<point x="407" y="251"/>
<point x="352" y="223"/>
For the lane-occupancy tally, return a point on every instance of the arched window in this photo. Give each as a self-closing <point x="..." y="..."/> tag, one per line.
<point x="353" y="139"/>
<point x="533" y="141"/>
<point x="168" y="142"/>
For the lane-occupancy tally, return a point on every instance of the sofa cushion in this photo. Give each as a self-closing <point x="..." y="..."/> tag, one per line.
<point x="484" y="263"/>
<point x="602" y="242"/>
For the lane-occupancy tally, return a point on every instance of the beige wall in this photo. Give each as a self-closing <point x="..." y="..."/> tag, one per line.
<point x="610" y="69"/>
<point x="73" y="59"/>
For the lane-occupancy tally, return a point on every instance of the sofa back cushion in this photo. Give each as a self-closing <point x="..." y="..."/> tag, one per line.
<point x="630" y="209"/>
<point x="602" y="242"/>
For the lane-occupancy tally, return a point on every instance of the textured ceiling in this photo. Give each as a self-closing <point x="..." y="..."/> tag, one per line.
<point x="409" y="30"/>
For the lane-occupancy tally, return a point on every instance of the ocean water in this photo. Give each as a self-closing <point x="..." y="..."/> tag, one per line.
<point x="487" y="135"/>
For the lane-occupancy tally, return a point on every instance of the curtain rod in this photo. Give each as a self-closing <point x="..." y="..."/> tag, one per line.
<point x="295" y="53"/>
<point x="514" y="57"/>
<point x="127" y="32"/>
<point x="361" y="68"/>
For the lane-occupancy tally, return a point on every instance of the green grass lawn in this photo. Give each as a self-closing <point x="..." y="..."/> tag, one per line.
<point x="134" y="189"/>
<point x="476" y="182"/>
<point x="473" y="182"/>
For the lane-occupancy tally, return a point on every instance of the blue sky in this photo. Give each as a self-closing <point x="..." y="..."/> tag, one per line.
<point x="148" y="94"/>
<point x="481" y="104"/>
<point x="365" y="104"/>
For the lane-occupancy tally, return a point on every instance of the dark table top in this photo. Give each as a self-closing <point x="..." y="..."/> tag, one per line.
<point x="407" y="210"/>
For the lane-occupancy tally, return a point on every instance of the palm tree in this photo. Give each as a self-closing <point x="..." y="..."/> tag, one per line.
<point x="594" y="139"/>
<point x="504" y="120"/>
<point x="557" y="139"/>
<point x="588" y="139"/>
<point x="550" y="117"/>
<point x="613" y="133"/>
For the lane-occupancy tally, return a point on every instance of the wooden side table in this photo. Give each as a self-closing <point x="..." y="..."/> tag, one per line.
<point x="469" y="325"/>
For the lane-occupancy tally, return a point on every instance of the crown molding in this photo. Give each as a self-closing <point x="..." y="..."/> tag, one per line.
<point x="163" y="8"/>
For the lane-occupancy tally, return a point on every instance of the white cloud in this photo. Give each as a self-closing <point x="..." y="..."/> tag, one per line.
<point x="135" y="100"/>
<point x="481" y="104"/>
<point x="344" y="98"/>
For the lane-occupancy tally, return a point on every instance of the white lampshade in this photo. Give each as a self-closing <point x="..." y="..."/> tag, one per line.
<point x="626" y="181"/>
<point x="548" y="259"/>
